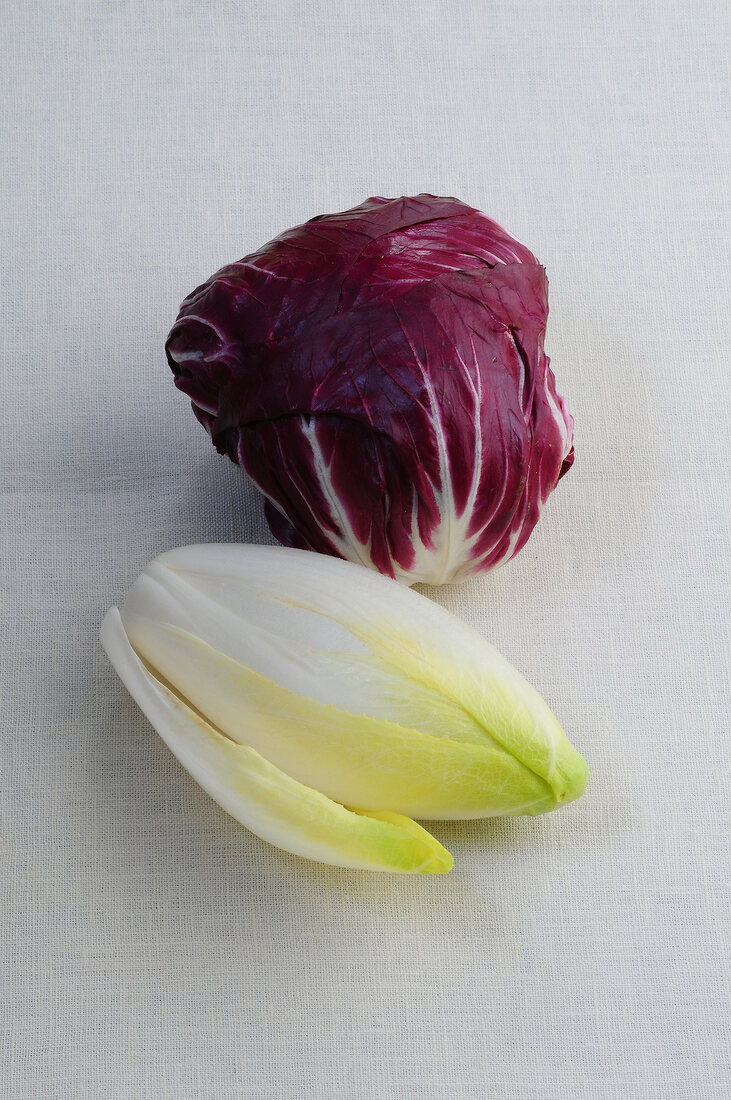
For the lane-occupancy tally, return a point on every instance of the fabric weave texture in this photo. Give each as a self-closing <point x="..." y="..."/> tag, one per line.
<point x="153" y="949"/>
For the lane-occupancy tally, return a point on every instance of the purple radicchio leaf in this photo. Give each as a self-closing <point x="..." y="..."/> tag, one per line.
<point x="380" y="374"/>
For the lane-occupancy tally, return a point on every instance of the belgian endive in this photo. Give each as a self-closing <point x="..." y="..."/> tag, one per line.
<point x="324" y="706"/>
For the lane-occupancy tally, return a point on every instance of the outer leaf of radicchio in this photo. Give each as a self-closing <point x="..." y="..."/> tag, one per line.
<point x="380" y="374"/>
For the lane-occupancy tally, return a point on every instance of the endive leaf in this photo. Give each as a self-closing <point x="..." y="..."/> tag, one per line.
<point x="304" y="651"/>
<point x="355" y="759"/>
<point x="338" y="634"/>
<point x="270" y="803"/>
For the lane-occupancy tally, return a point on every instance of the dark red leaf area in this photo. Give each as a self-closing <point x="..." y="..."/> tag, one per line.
<point x="374" y="368"/>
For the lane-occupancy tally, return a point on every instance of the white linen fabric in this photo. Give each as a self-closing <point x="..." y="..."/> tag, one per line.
<point x="151" y="947"/>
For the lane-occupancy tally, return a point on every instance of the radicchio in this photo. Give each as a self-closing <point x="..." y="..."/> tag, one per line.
<point x="380" y="374"/>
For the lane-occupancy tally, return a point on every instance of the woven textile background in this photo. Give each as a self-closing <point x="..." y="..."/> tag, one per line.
<point x="152" y="948"/>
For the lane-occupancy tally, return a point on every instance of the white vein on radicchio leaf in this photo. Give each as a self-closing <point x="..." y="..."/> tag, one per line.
<point x="380" y="374"/>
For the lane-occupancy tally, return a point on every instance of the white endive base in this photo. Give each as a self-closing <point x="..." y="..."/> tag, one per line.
<point x="263" y="798"/>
